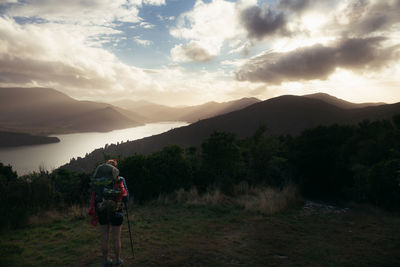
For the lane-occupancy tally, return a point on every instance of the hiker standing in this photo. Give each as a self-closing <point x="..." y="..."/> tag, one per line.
<point x="109" y="190"/>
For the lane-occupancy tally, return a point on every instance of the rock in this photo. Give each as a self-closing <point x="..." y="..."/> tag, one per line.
<point x="311" y="207"/>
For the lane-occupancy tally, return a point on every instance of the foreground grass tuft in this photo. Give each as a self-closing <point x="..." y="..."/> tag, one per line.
<point x="265" y="200"/>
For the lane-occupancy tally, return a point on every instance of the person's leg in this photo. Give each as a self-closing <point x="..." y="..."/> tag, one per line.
<point x="105" y="233"/>
<point x="116" y="234"/>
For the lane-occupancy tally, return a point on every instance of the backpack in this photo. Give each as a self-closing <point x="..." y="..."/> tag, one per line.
<point x="102" y="184"/>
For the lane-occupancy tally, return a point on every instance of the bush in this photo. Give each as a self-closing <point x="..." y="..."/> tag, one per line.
<point x="321" y="160"/>
<point x="161" y="172"/>
<point x="384" y="189"/>
<point x="13" y="198"/>
<point x="221" y="162"/>
<point x="21" y="197"/>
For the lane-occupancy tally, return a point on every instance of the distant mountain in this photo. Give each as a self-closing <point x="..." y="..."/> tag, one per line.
<point x="281" y="115"/>
<point x="8" y="139"/>
<point x="45" y="110"/>
<point x="340" y="102"/>
<point x="155" y="112"/>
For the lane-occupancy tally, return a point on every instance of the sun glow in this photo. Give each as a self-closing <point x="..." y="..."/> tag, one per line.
<point x="309" y="28"/>
<point x="313" y="21"/>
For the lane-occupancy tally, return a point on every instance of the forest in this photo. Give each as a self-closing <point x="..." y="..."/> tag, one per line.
<point x="337" y="163"/>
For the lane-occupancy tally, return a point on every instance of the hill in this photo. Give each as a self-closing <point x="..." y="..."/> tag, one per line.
<point x="8" y="139"/>
<point x="45" y="111"/>
<point x="155" y="112"/>
<point x="340" y="102"/>
<point x="281" y="115"/>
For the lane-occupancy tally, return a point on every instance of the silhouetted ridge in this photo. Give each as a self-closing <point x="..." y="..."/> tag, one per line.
<point x="155" y="112"/>
<point x="44" y="110"/>
<point x="340" y="102"/>
<point x="281" y="115"/>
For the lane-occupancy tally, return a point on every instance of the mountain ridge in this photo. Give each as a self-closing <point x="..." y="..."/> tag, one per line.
<point x="281" y="115"/>
<point x="45" y="111"/>
<point x="156" y="112"/>
<point x="49" y="111"/>
<point x="340" y="102"/>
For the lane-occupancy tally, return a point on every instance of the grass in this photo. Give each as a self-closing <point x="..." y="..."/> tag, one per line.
<point x="215" y="235"/>
<point x="265" y="200"/>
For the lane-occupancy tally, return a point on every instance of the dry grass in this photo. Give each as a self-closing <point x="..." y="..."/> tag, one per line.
<point x="54" y="215"/>
<point x="192" y="197"/>
<point x="264" y="200"/>
<point x="77" y="212"/>
<point x="44" y="217"/>
<point x="269" y="200"/>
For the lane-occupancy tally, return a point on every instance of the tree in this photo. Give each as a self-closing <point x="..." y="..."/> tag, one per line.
<point x="396" y="121"/>
<point x="322" y="161"/>
<point x="13" y="198"/>
<point x="220" y="161"/>
<point x="384" y="190"/>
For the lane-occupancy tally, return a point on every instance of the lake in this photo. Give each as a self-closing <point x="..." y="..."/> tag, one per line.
<point x="27" y="159"/>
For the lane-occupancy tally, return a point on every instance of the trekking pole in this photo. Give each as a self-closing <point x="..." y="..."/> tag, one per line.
<point x="129" y="228"/>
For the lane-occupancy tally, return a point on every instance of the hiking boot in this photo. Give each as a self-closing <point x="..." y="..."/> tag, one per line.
<point x="107" y="263"/>
<point x="119" y="263"/>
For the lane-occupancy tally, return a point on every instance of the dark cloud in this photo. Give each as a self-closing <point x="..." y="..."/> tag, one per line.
<point x="318" y="61"/>
<point x="294" y="5"/>
<point x="301" y="64"/>
<point x="366" y="17"/>
<point x="373" y="23"/>
<point x="362" y="53"/>
<point x="262" y="21"/>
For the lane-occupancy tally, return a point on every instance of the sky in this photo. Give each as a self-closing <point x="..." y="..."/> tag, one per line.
<point x="187" y="52"/>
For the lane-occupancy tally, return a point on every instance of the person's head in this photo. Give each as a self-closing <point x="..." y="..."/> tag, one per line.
<point x="112" y="162"/>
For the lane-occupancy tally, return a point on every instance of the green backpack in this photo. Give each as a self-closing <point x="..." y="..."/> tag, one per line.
<point x="102" y="184"/>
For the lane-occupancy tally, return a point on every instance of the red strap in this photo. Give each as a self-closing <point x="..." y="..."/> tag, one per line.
<point x="92" y="211"/>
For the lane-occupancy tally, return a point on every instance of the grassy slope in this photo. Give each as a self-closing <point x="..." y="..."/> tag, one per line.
<point x="215" y="236"/>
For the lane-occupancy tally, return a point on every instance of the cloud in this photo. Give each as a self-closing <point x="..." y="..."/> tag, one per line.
<point x="206" y="27"/>
<point x="365" y="17"/>
<point x="98" y="12"/>
<point x="154" y="2"/>
<point x="42" y="55"/>
<point x="262" y="21"/>
<point x="299" y="6"/>
<point x="191" y="52"/>
<point x="318" y="61"/>
<point x="166" y="18"/>
<point x="147" y="25"/>
<point x="2" y="2"/>
<point x="294" y="5"/>
<point x="316" y="44"/>
<point x="83" y="12"/>
<point x="142" y="42"/>
<point x="61" y="47"/>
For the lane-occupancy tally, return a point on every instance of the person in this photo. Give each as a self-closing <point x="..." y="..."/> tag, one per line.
<point x="107" y="204"/>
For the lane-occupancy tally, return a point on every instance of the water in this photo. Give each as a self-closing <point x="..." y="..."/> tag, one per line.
<point x="27" y="159"/>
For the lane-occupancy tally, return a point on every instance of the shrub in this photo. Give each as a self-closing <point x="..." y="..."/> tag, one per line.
<point x="384" y="189"/>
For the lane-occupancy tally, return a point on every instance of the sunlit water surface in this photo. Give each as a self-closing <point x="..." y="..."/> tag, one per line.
<point x="50" y="156"/>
